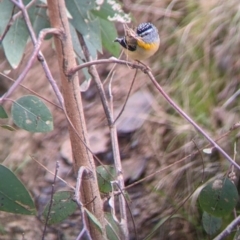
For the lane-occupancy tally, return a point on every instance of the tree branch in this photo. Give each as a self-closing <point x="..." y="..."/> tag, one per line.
<point x="228" y="230"/>
<point x="37" y="45"/>
<point x="82" y="157"/>
<point x="165" y="95"/>
<point x="114" y="140"/>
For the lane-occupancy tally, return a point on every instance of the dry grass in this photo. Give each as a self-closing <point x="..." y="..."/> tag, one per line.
<point x="197" y="64"/>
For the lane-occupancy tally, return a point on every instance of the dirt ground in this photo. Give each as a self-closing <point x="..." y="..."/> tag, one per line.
<point x="151" y="137"/>
<point x="20" y="148"/>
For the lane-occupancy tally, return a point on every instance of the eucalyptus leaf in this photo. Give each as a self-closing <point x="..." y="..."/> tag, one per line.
<point x="63" y="206"/>
<point x="31" y="114"/>
<point x="211" y="224"/>
<point x="81" y="58"/>
<point x="14" y="197"/>
<point x="3" y="113"/>
<point x="105" y="174"/>
<point x="112" y="228"/>
<point x="41" y="20"/>
<point x="86" y="23"/>
<point x="6" y="8"/>
<point x="109" y="33"/>
<point x="94" y="220"/>
<point x="219" y="197"/>
<point x="16" y="38"/>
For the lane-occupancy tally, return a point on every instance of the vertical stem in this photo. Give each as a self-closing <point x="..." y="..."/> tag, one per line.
<point x="90" y="196"/>
<point x="120" y="180"/>
<point x="115" y="148"/>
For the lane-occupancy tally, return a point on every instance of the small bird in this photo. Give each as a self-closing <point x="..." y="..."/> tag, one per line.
<point x="142" y="43"/>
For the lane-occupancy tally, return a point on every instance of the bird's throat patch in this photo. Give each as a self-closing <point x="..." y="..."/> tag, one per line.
<point x="147" y="46"/>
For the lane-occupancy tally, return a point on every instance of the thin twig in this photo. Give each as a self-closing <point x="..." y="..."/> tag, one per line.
<point x="184" y="115"/>
<point x="51" y="200"/>
<point x="231" y="99"/>
<point x="164" y="94"/>
<point x="70" y="186"/>
<point x="181" y="205"/>
<point x="13" y="19"/>
<point x="31" y="91"/>
<point x="201" y="156"/>
<point x="129" y="209"/>
<point x="29" y="63"/>
<point x="10" y="23"/>
<point x="118" y="166"/>
<point x="115" y="147"/>
<point x="128" y="94"/>
<point x="175" y="163"/>
<point x="113" y="135"/>
<point x="103" y="61"/>
<point x="37" y="44"/>
<point x="228" y="230"/>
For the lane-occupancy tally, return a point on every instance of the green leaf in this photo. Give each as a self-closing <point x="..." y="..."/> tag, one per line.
<point x="76" y="44"/>
<point x="63" y="206"/>
<point x="219" y="197"/>
<point x="3" y="113"/>
<point x="6" y="8"/>
<point x="16" y="39"/>
<point x="31" y="114"/>
<point x="105" y="174"/>
<point x="109" y="33"/>
<point x="112" y="228"/>
<point x="80" y="56"/>
<point x="86" y="24"/>
<point x="41" y="20"/>
<point x="14" y="197"/>
<point x="93" y="38"/>
<point x="94" y="220"/>
<point x="211" y="224"/>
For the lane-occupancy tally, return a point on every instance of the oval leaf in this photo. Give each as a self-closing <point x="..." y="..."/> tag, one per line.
<point x="112" y="228"/>
<point x="31" y="114"/>
<point x="6" y="8"/>
<point x="14" y="197"/>
<point x="16" y="38"/>
<point x="211" y="224"/>
<point x="105" y="174"/>
<point x="62" y="207"/>
<point x="219" y="197"/>
<point x="109" y="33"/>
<point x="15" y="41"/>
<point x="3" y="113"/>
<point x="94" y="220"/>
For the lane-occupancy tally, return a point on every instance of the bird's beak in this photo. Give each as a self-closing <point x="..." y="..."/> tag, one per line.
<point x="117" y="40"/>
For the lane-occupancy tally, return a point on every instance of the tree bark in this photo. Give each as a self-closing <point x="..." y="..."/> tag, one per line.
<point x="90" y="195"/>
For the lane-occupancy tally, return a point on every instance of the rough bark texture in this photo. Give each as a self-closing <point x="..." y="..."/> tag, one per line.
<point x="90" y="195"/>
